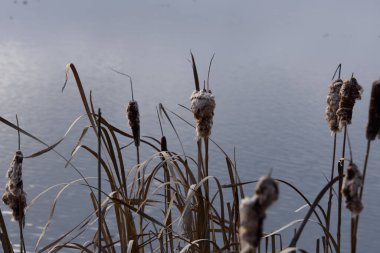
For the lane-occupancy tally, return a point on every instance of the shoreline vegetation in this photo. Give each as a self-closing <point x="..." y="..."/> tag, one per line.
<point x="193" y="217"/>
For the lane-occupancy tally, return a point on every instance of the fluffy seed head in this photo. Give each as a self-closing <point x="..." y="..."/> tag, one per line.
<point x="252" y="213"/>
<point x="349" y="93"/>
<point x="14" y="196"/>
<point x="134" y="121"/>
<point x="373" y="126"/>
<point x="333" y="98"/>
<point x="352" y="183"/>
<point x="202" y="106"/>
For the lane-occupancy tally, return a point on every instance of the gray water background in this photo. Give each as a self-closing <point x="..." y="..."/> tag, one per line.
<point x="273" y="64"/>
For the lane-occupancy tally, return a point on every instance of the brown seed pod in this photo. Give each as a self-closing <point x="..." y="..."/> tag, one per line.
<point x="14" y="196"/>
<point x="352" y="184"/>
<point x="202" y="106"/>
<point x="349" y="93"/>
<point x="333" y="98"/>
<point x="134" y="121"/>
<point x="252" y="213"/>
<point x="373" y="126"/>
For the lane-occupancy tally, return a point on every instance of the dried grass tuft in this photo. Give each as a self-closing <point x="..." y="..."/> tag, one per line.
<point x="333" y="98"/>
<point x="349" y="93"/>
<point x="252" y="213"/>
<point x="202" y="106"/>
<point x="14" y="196"/>
<point x="352" y="183"/>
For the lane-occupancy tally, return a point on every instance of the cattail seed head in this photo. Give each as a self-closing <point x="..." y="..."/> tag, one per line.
<point x="134" y="121"/>
<point x="333" y="98"/>
<point x="202" y="106"/>
<point x="252" y="213"/>
<point x="349" y="93"/>
<point x="373" y="126"/>
<point x="14" y="196"/>
<point x="352" y="184"/>
<point x="164" y="145"/>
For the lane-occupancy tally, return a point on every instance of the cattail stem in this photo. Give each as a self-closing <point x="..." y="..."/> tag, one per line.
<point x="21" y="234"/>
<point x="18" y="133"/>
<point x="207" y="213"/>
<point x="340" y="171"/>
<point x="99" y="183"/>
<point x="328" y="215"/>
<point x="356" y="219"/>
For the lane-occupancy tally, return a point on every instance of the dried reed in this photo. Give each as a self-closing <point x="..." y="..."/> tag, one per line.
<point x="349" y="93"/>
<point x="352" y="184"/>
<point x="252" y="213"/>
<point x="333" y="98"/>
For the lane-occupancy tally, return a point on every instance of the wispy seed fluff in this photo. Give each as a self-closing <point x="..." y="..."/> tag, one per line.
<point x="202" y="106"/>
<point x="134" y="121"/>
<point x="352" y="183"/>
<point x="252" y="213"/>
<point x="349" y="93"/>
<point x="14" y="196"/>
<point x="373" y="126"/>
<point x="333" y="98"/>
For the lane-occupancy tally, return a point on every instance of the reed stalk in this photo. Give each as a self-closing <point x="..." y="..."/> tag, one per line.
<point x="333" y="124"/>
<point x="99" y="183"/>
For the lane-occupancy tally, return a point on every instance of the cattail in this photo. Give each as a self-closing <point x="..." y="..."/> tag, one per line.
<point x="349" y="93"/>
<point x="352" y="183"/>
<point x="373" y="126"/>
<point x="252" y="213"/>
<point x="202" y="106"/>
<point x="333" y="98"/>
<point x="164" y="145"/>
<point x="134" y="121"/>
<point x="14" y="195"/>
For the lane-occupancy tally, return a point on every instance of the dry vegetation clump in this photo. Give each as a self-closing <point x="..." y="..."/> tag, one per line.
<point x="166" y="204"/>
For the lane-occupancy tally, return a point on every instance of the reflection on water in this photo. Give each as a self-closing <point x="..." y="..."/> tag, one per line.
<point x="270" y="77"/>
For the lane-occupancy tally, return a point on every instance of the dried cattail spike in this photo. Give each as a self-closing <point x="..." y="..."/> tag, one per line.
<point x="252" y="213"/>
<point x="352" y="183"/>
<point x="333" y="98"/>
<point x="267" y="190"/>
<point x="202" y="106"/>
<point x="134" y="121"/>
<point x="349" y="93"/>
<point x="373" y="126"/>
<point x="14" y="195"/>
<point x="164" y="146"/>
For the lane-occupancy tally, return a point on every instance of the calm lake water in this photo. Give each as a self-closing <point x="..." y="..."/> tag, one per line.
<point x="270" y="75"/>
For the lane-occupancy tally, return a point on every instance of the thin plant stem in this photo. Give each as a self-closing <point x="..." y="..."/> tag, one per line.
<point x="22" y="242"/>
<point x="20" y="222"/>
<point x="340" y="171"/>
<point x="356" y="223"/>
<point x="18" y="133"/>
<point x="328" y="215"/>
<point x="99" y="183"/>
<point x="207" y="190"/>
